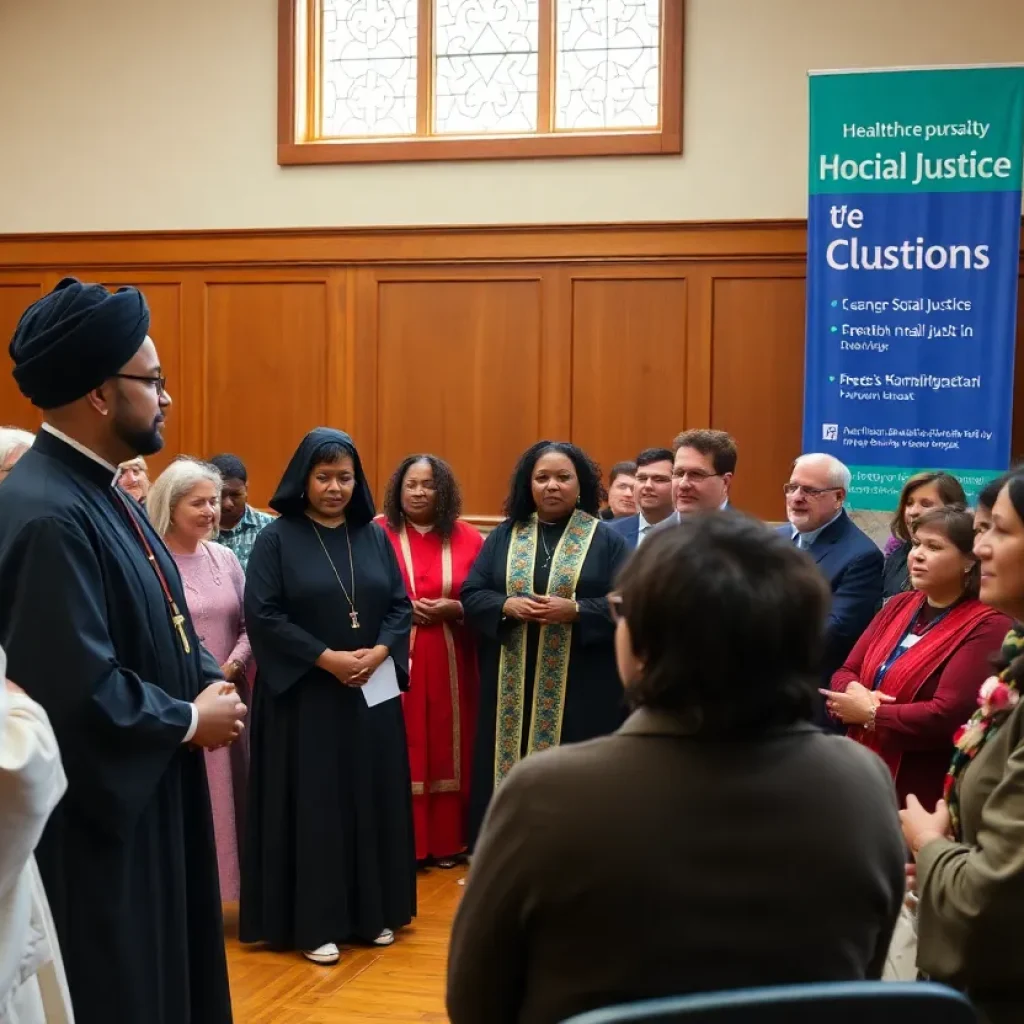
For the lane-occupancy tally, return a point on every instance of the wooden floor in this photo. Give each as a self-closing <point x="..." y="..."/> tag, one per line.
<point x="401" y="984"/>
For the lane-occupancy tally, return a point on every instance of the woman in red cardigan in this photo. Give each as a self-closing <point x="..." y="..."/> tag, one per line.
<point x="913" y="678"/>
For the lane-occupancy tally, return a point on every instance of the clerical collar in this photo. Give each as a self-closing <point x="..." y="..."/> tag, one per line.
<point x="87" y="452"/>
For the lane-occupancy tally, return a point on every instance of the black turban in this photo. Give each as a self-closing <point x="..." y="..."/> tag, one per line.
<point x="74" y="339"/>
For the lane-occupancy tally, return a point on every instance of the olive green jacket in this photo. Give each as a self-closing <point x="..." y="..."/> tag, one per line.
<point x="972" y="893"/>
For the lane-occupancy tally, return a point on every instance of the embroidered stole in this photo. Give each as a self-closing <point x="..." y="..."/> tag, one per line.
<point x="552" y="669"/>
<point x="454" y="784"/>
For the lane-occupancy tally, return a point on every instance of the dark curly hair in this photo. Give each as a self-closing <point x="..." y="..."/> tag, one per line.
<point x="519" y="505"/>
<point x="449" y="497"/>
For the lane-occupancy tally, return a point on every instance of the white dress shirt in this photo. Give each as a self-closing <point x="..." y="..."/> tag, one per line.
<point x="805" y="540"/>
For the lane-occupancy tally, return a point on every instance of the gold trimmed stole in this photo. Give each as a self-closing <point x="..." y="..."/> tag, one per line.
<point x="454" y="784"/>
<point x="552" y="669"/>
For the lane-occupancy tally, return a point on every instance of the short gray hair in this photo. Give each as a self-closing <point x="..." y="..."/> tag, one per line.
<point x="14" y="437"/>
<point x="173" y="484"/>
<point x="838" y="474"/>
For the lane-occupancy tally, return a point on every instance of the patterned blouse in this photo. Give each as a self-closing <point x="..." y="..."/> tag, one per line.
<point x="241" y="539"/>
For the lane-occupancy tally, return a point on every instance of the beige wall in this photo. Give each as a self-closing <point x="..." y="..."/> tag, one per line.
<point x="160" y="114"/>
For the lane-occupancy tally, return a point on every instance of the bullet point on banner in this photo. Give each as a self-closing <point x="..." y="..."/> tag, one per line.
<point x="832" y="380"/>
<point x="834" y="329"/>
<point x="835" y="302"/>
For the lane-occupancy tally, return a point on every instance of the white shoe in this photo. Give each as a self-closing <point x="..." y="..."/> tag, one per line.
<point x="326" y="954"/>
<point x="386" y="938"/>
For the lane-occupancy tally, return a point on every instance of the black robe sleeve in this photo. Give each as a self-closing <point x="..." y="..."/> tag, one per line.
<point x="119" y="732"/>
<point x="482" y="604"/>
<point x="211" y="672"/>
<point x="595" y="622"/>
<point x="397" y="622"/>
<point x="285" y="651"/>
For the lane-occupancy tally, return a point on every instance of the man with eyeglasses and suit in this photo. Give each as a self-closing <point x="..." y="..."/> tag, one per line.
<point x="703" y="468"/>
<point x="848" y="559"/>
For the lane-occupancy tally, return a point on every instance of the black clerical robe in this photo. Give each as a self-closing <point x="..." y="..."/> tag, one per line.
<point x="128" y="857"/>
<point x="330" y="854"/>
<point x="594" y="700"/>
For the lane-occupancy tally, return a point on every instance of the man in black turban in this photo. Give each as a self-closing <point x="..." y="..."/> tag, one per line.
<point x="80" y="351"/>
<point x="96" y="629"/>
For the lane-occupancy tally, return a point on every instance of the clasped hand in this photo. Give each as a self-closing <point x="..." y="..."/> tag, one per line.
<point x="542" y="609"/>
<point x="856" y="705"/>
<point x="353" y="668"/>
<point x="429" y="611"/>
<point x="220" y="716"/>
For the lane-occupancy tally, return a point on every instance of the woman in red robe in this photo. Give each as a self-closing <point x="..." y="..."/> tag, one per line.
<point x="436" y="552"/>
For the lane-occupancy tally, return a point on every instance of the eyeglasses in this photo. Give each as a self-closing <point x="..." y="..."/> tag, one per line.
<point x="811" y="492"/>
<point x="159" y="384"/>
<point x="698" y="476"/>
<point x="615" y="607"/>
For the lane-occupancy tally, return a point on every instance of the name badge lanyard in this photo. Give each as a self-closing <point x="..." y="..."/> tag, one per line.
<point x="908" y="640"/>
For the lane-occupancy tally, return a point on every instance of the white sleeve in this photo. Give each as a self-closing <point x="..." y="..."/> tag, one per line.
<point x="195" y="725"/>
<point x="31" y="779"/>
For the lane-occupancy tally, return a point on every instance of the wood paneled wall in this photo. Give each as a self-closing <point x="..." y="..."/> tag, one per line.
<point x="469" y="343"/>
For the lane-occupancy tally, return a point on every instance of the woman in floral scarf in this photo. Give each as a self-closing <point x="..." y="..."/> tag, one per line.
<point x="969" y="852"/>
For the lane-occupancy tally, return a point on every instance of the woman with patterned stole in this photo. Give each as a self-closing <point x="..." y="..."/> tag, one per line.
<point x="329" y="856"/>
<point x="538" y="597"/>
<point x="969" y="850"/>
<point x="435" y="552"/>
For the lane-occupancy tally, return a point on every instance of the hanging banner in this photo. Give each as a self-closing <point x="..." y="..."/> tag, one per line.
<point x="914" y="229"/>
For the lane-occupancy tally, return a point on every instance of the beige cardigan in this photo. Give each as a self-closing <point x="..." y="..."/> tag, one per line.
<point x="33" y="988"/>
<point x="972" y="893"/>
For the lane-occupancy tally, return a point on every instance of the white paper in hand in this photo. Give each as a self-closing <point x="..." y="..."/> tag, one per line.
<point x="382" y="685"/>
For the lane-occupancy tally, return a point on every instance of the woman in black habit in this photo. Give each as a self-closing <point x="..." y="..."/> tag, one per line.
<point x="541" y="583"/>
<point x="330" y="855"/>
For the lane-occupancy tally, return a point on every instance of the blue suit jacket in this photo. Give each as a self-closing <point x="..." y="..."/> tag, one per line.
<point x="627" y="527"/>
<point x="852" y="563"/>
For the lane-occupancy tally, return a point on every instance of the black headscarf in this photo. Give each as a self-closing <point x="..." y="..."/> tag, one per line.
<point x="75" y="338"/>
<point x="290" y="497"/>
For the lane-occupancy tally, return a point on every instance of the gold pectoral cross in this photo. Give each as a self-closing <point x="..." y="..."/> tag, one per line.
<point x="178" y="621"/>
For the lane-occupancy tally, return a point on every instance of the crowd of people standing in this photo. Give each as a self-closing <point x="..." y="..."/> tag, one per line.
<point x="298" y="708"/>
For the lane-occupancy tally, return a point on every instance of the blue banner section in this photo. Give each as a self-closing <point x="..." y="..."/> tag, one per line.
<point x="911" y="320"/>
<point x="915" y="180"/>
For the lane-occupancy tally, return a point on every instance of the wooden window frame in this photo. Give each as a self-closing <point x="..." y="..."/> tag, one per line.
<point x="296" y="106"/>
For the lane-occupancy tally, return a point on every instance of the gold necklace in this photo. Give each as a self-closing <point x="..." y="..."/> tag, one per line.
<point x="353" y="615"/>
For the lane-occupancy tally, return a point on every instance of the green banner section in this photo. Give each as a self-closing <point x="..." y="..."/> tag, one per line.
<point x="877" y="488"/>
<point x="915" y="131"/>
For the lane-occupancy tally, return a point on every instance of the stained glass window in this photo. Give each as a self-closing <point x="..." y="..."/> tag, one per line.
<point x="486" y="66"/>
<point x="607" y="64"/>
<point x="478" y="79"/>
<point x="369" y="67"/>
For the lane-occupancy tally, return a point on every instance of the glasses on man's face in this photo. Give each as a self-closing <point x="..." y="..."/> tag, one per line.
<point x="695" y="476"/>
<point x="159" y="384"/>
<point x="812" y="492"/>
<point x="615" y="607"/>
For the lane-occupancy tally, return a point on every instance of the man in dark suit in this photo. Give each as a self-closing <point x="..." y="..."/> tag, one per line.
<point x="703" y="468"/>
<point x="846" y="556"/>
<point x="653" y="496"/>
